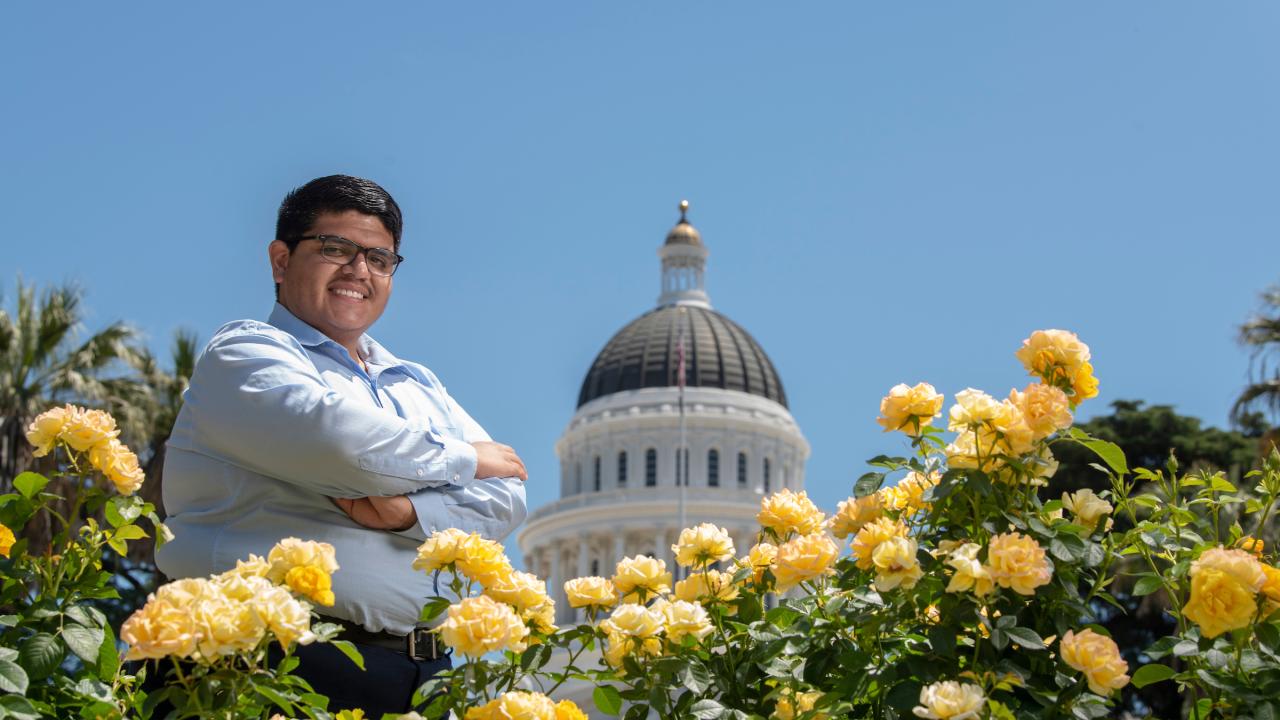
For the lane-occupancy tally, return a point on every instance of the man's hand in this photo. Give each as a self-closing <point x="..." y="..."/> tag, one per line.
<point x="497" y="460"/>
<point x="380" y="513"/>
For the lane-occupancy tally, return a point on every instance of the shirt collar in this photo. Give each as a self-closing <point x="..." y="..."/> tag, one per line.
<point x="372" y="351"/>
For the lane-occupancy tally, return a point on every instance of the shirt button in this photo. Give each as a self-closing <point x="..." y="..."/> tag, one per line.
<point x="419" y="472"/>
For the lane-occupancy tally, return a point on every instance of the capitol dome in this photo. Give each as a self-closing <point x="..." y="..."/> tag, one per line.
<point x="681" y="419"/>
<point x="645" y="354"/>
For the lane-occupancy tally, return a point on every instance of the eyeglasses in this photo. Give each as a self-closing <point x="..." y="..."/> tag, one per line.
<point x="341" y="251"/>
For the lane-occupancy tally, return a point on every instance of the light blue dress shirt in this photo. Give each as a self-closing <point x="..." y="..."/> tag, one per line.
<point x="278" y="419"/>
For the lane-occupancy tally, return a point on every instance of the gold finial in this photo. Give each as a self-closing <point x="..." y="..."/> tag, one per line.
<point x="684" y="208"/>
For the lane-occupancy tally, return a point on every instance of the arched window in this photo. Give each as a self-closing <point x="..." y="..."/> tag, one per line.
<point x="577" y="478"/>
<point x="713" y="468"/>
<point x="595" y="567"/>
<point x="766" y="475"/>
<point x="742" y="469"/>
<point x="595" y="475"/>
<point x="622" y="469"/>
<point x="650" y="467"/>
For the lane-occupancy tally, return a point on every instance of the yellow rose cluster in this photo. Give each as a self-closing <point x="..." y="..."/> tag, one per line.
<point x="907" y="497"/>
<point x="886" y="546"/>
<point x="304" y="566"/>
<point x="1098" y="657"/>
<point x="94" y="433"/>
<point x="1060" y="359"/>
<point x="205" y="619"/>
<point x="1224" y="588"/>
<point x="522" y="705"/>
<point x="909" y="409"/>
<point x="512" y="606"/>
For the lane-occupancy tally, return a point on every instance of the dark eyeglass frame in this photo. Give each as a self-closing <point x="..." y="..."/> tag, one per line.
<point x="339" y="241"/>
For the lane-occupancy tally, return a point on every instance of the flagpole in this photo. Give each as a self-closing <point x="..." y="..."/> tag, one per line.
<point x="682" y="455"/>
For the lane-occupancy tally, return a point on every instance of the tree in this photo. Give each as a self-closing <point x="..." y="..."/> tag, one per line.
<point x="1261" y="334"/>
<point x="42" y="364"/>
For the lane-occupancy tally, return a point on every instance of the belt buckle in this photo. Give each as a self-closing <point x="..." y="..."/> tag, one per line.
<point x="429" y="649"/>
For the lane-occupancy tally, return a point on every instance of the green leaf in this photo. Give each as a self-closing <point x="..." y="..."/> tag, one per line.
<point x="13" y="678"/>
<point x="40" y="655"/>
<point x="1185" y="648"/>
<point x="433" y="607"/>
<point x="1146" y="585"/>
<point x="108" y="655"/>
<point x="1110" y="453"/>
<point x="19" y="708"/>
<point x="607" y="699"/>
<point x="999" y="711"/>
<point x="868" y="484"/>
<point x="1149" y="674"/>
<point x="29" y="483"/>
<point x="695" y="677"/>
<point x="9" y="620"/>
<point x="350" y="651"/>
<point x="1026" y="637"/>
<point x="83" y="641"/>
<point x="1067" y="548"/>
<point x="274" y="696"/>
<point x="129" y="532"/>
<point x="707" y="710"/>
<point x="86" y="615"/>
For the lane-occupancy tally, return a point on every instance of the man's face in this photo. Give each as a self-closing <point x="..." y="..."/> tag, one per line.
<point x="341" y="301"/>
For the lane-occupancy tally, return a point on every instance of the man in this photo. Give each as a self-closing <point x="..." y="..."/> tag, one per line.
<point x="304" y="426"/>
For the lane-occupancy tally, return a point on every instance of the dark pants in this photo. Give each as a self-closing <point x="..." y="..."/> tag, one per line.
<point x="386" y="685"/>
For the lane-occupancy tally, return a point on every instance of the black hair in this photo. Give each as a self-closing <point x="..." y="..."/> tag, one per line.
<point x="335" y="194"/>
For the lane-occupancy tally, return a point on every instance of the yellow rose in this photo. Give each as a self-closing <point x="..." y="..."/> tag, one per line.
<point x="853" y="513"/>
<point x="1045" y="408"/>
<point x="1098" y="658"/>
<point x="1251" y="544"/>
<point x="226" y="626"/>
<point x="804" y="558"/>
<point x="1239" y="564"/>
<point x="702" y="545"/>
<point x="591" y="592"/>
<point x="682" y="619"/>
<point x="288" y="618"/>
<point x="160" y="629"/>
<point x="567" y="710"/>
<point x="1083" y="384"/>
<point x="312" y="583"/>
<point x="1087" y="507"/>
<point x="515" y="705"/>
<point x="761" y="557"/>
<point x="43" y="432"/>
<point x="1055" y="356"/>
<point x="119" y="464"/>
<point x="975" y="450"/>
<point x="255" y="566"/>
<point x="787" y="512"/>
<point x="1219" y="602"/>
<point x="950" y="700"/>
<point x="619" y="647"/>
<point x="541" y="619"/>
<point x="791" y="703"/>
<point x="1271" y="588"/>
<point x="440" y="550"/>
<point x="477" y="625"/>
<point x="972" y="408"/>
<point x="7" y="540"/>
<point x="896" y="564"/>
<point x="240" y="588"/>
<point x="711" y="585"/>
<point x="483" y="560"/>
<point x="909" y="409"/>
<point x="1017" y="561"/>
<point x="871" y="535"/>
<point x="520" y="590"/>
<point x="970" y="573"/>
<point x="907" y="497"/>
<point x="633" y="621"/>
<point x="291" y="552"/>
<point x="87" y="428"/>
<point x="641" y="577"/>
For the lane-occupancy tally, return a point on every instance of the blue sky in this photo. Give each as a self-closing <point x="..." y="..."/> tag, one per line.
<point x="890" y="192"/>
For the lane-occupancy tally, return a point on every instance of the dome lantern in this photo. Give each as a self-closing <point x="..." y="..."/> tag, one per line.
<point x="684" y="262"/>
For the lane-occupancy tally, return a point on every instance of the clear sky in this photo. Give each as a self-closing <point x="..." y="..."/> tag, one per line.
<point x="891" y="192"/>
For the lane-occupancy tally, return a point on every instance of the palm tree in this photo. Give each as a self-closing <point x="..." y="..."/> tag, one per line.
<point x="43" y="364"/>
<point x="1261" y="334"/>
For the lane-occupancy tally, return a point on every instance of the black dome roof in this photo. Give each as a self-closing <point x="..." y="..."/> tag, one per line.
<point x="718" y="354"/>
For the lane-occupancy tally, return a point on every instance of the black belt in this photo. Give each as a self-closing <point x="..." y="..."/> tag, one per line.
<point x="421" y="644"/>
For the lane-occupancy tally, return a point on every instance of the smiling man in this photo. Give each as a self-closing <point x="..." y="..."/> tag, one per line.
<point x="304" y="426"/>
